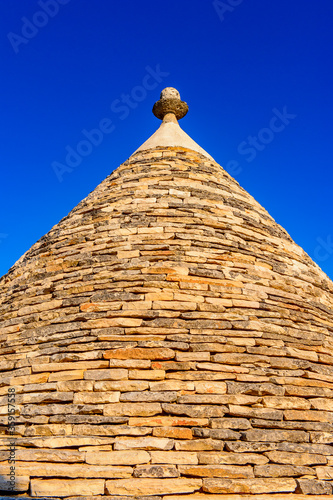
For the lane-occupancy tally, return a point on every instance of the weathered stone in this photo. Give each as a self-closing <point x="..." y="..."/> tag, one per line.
<point x="66" y="375"/>
<point x="121" y="385"/>
<point x="174" y="457"/>
<point x="286" y="403"/>
<point x="78" y="365"/>
<point x="140" y="353"/>
<point x="274" y="470"/>
<point x="249" y="485"/>
<point x="320" y="449"/>
<point x="96" y="397"/>
<point x="199" y="445"/>
<point x="75" y="385"/>
<point x="171" y="385"/>
<point x="312" y="415"/>
<point x="210" y="387"/>
<point x="156" y="471"/>
<point x="151" y="486"/>
<point x="146" y="374"/>
<point x="166" y="396"/>
<point x="147" y="443"/>
<point x="66" y="470"/>
<point x="325" y="473"/>
<point x="168" y="421"/>
<point x="195" y="411"/>
<point x="224" y="434"/>
<point x="267" y="413"/>
<point x="126" y="457"/>
<point x="173" y="432"/>
<point x="229" y="423"/>
<point x="276" y="435"/>
<point x="110" y="430"/>
<point x="312" y="487"/>
<point x="139" y="364"/>
<point x="231" y="458"/>
<point x="132" y="409"/>
<point x="66" y="487"/>
<point x="230" y="471"/>
<point x="283" y="457"/>
<point x="109" y="374"/>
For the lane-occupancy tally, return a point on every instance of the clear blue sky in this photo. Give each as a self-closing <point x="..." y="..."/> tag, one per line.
<point x="67" y="65"/>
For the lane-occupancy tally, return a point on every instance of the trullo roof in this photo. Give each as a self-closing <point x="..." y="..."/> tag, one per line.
<point x="167" y="339"/>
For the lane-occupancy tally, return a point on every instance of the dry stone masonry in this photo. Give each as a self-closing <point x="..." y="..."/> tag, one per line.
<point x="167" y="339"/>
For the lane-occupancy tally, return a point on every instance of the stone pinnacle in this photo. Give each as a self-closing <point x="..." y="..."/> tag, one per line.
<point x="170" y="102"/>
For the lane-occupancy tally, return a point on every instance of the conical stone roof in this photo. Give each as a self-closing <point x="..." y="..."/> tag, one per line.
<point x="167" y="339"/>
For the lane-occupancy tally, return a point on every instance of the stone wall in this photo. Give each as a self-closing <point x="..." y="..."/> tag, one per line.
<point x="168" y="338"/>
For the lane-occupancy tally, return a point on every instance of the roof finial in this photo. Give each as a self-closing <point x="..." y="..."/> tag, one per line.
<point x="170" y="102"/>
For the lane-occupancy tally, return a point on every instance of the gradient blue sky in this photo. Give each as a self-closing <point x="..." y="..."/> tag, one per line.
<point x="238" y="64"/>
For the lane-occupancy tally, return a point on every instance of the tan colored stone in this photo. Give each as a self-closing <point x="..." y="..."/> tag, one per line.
<point x="325" y="473"/>
<point x="249" y="485"/>
<point x="96" y="397"/>
<point x="126" y="457"/>
<point x="173" y="432"/>
<point x="108" y="374"/>
<point x="140" y="364"/>
<point x="174" y="457"/>
<point x="148" y="443"/>
<point x="199" y="445"/>
<point x="274" y="470"/>
<point x="152" y="486"/>
<point x="75" y="385"/>
<point x="312" y="415"/>
<point x="223" y="368"/>
<point x="146" y="375"/>
<point x="284" y="457"/>
<point x="38" y="378"/>
<point x="321" y="404"/>
<point x="165" y="396"/>
<point x="275" y="435"/>
<point x="66" y="487"/>
<point x="231" y="399"/>
<point x="66" y="470"/>
<point x="110" y="430"/>
<point x="66" y="375"/>
<point x="140" y="353"/>
<point x="210" y="387"/>
<point x="313" y="488"/>
<point x="230" y="471"/>
<point x="73" y="366"/>
<point x="171" y="385"/>
<point x="192" y="356"/>
<point x="45" y="455"/>
<point x="168" y="421"/>
<point x="112" y="322"/>
<point x="132" y="409"/>
<point x="286" y="403"/>
<point x="267" y="413"/>
<point x="121" y="385"/>
<point x="232" y="458"/>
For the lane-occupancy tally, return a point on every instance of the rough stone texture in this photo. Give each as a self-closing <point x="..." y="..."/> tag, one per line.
<point x="168" y="331"/>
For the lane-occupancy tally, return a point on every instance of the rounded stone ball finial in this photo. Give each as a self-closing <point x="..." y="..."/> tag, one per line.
<point x="170" y="102"/>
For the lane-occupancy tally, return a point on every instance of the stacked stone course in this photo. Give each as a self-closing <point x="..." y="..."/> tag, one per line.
<point x="168" y="339"/>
